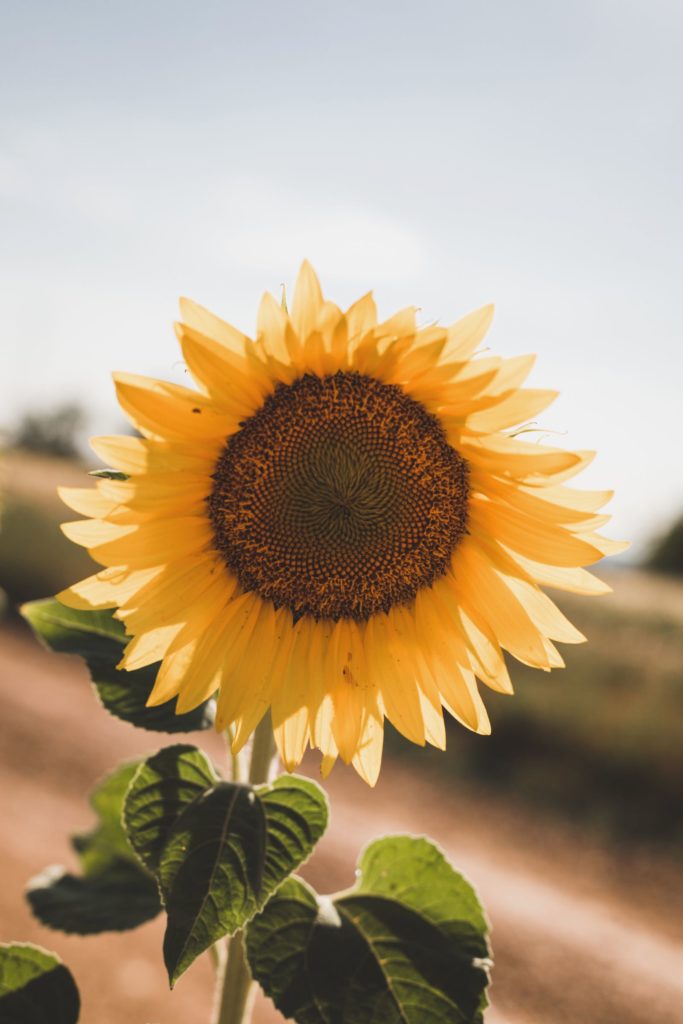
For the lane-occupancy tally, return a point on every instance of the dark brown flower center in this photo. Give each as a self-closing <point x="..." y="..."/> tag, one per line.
<point x="339" y="498"/>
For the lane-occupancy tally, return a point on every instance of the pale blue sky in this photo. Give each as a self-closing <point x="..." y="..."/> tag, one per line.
<point x="446" y="154"/>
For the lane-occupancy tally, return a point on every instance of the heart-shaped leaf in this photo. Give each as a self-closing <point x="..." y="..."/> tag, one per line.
<point x="407" y="944"/>
<point x="161" y="789"/>
<point x="114" y="892"/>
<point x="226" y="855"/>
<point x="36" y="987"/>
<point x="99" y="638"/>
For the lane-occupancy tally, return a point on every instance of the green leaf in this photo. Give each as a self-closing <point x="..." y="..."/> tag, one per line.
<point x="227" y="854"/>
<point x="161" y="789"/>
<point x="114" y="892"/>
<point x="36" y="987"/>
<point x="115" y="901"/>
<point x="406" y="945"/>
<point x="413" y="871"/>
<point x="107" y="842"/>
<point x="99" y="638"/>
<point x="108" y="474"/>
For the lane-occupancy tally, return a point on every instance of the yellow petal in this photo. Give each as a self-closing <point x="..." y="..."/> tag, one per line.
<point x="169" y="412"/>
<point x="290" y="709"/>
<point x="456" y="397"/>
<point x="237" y="387"/>
<point x="533" y="462"/>
<point x="401" y="325"/>
<point x="308" y="299"/>
<point x="368" y="757"/>
<point x="395" y="676"/>
<point x="138" y="455"/>
<point x="435" y="727"/>
<point x="106" y="589"/>
<point x="583" y="459"/>
<point x="215" y="659"/>
<point x="420" y="359"/>
<point x="518" y="407"/>
<point x="447" y="659"/>
<point x="87" y="501"/>
<point x="535" y="538"/>
<point x="155" y="543"/>
<point x="172" y="592"/>
<point x="606" y="546"/>
<point x="493" y="600"/>
<point x="156" y="496"/>
<point x="549" y="503"/>
<point x="465" y="335"/>
<point x="577" y="581"/>
<point x="257" y="680"/>
<point x="149" y="648"/>
<point x="569" y="497"/>
<point x="485" y="653"/>
<point x="327" y="764"/>
<point x="361" y="317"/>
<point x="328" y="321"/>
<point x="188" y="642"/>
<point x="212" y="326"/>
<point x="348" y="680"/>
<point x="544" y="614"/>
<point x="89" y="533"/>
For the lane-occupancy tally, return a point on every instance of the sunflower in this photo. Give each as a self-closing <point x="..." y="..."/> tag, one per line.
<point x="340" y="525"/>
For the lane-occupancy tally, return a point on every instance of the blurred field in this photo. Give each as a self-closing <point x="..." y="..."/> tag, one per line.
<point x="568" y="817"/>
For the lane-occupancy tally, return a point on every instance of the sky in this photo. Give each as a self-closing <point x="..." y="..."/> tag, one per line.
<point x="444" y="154"/>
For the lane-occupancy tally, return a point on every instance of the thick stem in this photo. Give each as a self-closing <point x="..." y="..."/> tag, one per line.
<point x="262" y="753"/>
<point x="236" y="998"/>
<point x="236" y="994"/>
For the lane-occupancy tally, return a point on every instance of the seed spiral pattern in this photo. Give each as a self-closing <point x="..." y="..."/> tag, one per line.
<point x="339" y="498"/>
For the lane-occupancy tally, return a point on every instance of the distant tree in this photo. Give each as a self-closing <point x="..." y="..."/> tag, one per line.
<point x="54" y="433"/>
<point x="667" y="551"/>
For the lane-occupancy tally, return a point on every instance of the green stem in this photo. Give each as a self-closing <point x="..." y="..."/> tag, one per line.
<point x="262" y="753"/>
<point x="236" y="994"/>
<point x="237" y="768"/>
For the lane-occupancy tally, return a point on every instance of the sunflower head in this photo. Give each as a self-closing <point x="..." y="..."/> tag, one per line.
<point x="339" y="524"/>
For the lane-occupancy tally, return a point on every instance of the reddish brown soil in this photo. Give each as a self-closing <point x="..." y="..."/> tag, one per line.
<point x="580" y="935"/>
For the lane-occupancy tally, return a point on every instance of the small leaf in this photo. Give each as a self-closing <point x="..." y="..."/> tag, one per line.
<point x="119" y="899"/>
<point x="407" y="944"/>
<point x="115" y="892"/>
<point x="108" y="474"/>
<point x="107" y="842"/>
<point x="36" y="987"/>
<point x="99" y="638"/>
<point x="226" y="855"/>
<point x="162" y="787"/>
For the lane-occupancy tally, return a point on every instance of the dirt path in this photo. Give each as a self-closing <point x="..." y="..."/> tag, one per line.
<point x="572" y="940"/>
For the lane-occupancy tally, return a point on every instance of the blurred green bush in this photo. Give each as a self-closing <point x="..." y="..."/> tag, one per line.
<point x="36" y="559"/>
<point x="667" y="551"/>
<point x="54" y="432"/>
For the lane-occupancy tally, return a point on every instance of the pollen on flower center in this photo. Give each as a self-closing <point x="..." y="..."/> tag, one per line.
<point x="339" y="498"/>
